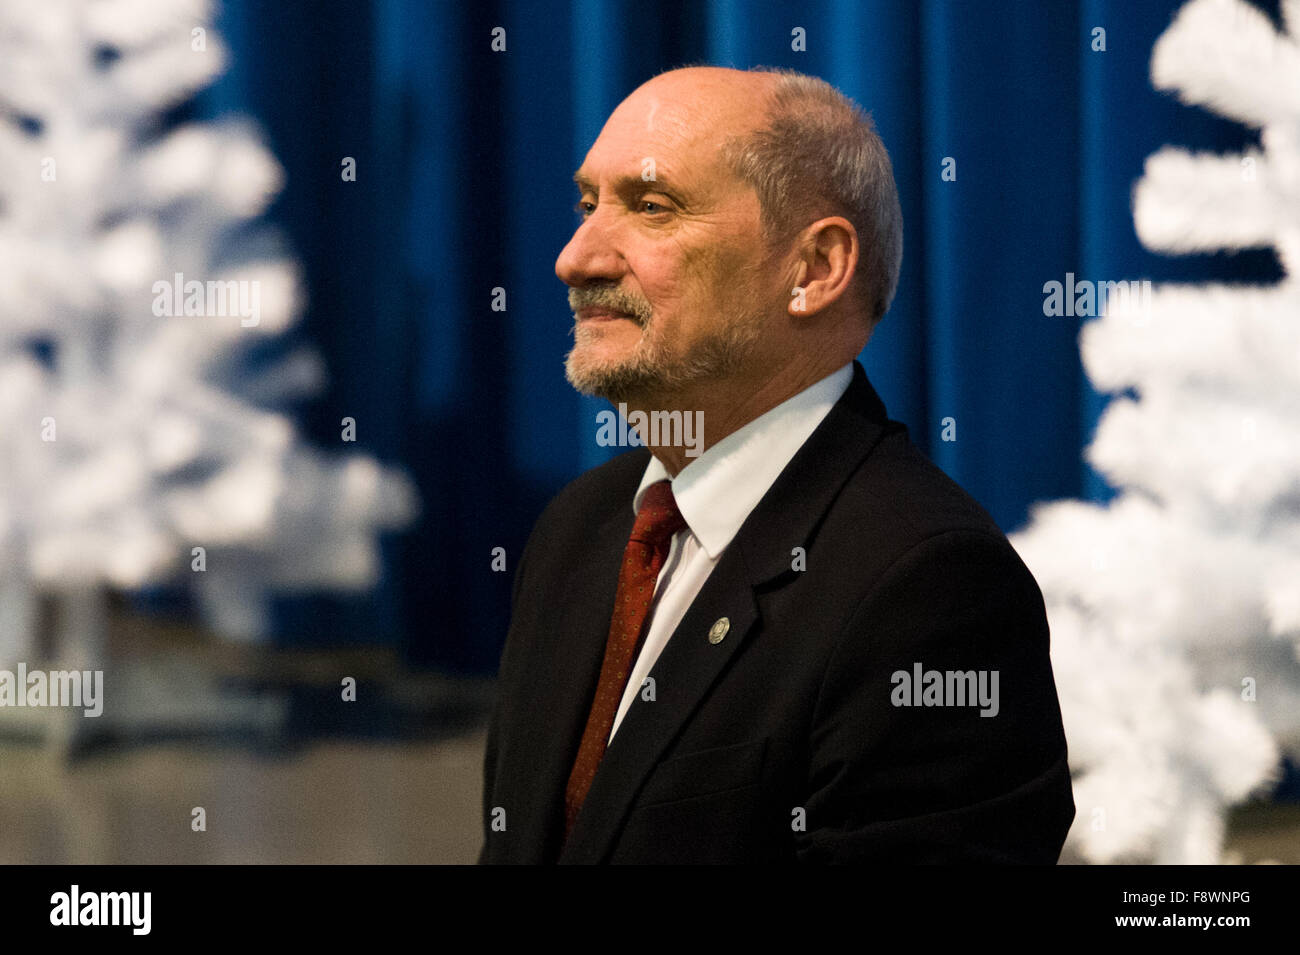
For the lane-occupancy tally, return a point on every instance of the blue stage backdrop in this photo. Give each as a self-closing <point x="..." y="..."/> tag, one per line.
<point x="464" y="160"/>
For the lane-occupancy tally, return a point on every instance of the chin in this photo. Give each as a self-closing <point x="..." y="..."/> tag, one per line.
<point x="601" y="365"/>
<point x="614" y="380"/>
<point x="597" y="379"/>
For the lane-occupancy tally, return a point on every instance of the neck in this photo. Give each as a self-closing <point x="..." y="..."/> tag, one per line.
<point x="680" y="427"/>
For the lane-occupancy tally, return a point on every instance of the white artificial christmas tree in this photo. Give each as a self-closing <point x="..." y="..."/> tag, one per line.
<point x="1175" y="609"/>
<point x="132" y="437"/>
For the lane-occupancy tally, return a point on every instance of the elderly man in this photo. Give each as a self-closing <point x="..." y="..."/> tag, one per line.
<point x="805" y="643"/>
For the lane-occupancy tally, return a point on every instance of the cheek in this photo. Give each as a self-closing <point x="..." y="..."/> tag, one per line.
<point x="720" y="276"/>
<point x="689" y="283"/>
<point x="663" y="277"/>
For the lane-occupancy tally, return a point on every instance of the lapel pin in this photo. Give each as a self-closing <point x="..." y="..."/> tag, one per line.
<point x="719" y="630"/>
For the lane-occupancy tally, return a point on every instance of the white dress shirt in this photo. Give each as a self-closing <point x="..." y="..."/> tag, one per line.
<point x="715" y="493"/>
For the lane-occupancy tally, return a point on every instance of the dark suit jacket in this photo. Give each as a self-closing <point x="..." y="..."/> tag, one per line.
<point x="783" y="742"/>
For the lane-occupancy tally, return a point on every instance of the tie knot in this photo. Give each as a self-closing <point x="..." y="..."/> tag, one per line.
<point x="658" y="518"/>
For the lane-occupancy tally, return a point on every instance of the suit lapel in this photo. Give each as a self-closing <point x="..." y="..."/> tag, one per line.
<point x="689" y="665"/>
<point x="561" y="681"/>
<point x="683" y="674"/>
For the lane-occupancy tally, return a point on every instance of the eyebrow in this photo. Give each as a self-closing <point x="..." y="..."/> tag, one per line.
<point x="630" y="182"/>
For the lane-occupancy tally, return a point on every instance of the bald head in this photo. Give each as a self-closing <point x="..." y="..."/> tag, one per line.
<point x="683" y="116"/>
<point x="805" y="148"/>
<point x="713" y="100"/>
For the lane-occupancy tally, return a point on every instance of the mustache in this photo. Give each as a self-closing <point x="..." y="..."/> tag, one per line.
<point x="611" y="297"/>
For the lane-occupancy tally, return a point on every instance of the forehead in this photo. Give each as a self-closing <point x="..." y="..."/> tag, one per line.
<point x="683" y="136"/>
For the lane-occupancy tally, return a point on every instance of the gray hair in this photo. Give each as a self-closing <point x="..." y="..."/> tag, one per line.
<point x="820" y="154"/>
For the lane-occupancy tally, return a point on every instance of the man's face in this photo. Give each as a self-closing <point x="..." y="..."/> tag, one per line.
<point x="668" y="276"/>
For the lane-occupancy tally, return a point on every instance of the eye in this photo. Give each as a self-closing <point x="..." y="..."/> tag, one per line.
<point x="652" y="207"/>
<point x="584" y="208"/>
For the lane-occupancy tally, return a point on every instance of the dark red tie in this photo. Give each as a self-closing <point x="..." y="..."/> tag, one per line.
<point x="656" y="522"/>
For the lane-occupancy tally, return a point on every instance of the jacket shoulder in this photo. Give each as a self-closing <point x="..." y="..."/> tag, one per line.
<point x="594" y="496"/>
<point x="917" y="497"/>
<point x="897" y="500"/>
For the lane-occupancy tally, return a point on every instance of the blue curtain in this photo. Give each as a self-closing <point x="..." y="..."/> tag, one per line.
<point x="464" y="157"/>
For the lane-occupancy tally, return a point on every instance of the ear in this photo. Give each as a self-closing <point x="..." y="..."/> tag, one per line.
<point x="828" y="257"/>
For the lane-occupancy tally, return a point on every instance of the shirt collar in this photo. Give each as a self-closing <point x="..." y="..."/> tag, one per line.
<point x="716" y="491"/>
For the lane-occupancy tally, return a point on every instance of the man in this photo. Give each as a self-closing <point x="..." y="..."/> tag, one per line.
<point x="805" y="643"/>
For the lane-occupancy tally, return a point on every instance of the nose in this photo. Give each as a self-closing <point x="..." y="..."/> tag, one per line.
<point x="592" y="254"/>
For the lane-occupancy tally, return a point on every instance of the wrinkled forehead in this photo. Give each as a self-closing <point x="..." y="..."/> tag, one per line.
<point x="681" y="135"/>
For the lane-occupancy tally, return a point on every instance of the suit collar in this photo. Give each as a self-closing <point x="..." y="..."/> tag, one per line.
<point x="790" y="511"/>
<point x="716" y="491"/>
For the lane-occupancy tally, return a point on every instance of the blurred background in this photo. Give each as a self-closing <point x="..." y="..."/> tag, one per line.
<point x="396" y="174"/>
